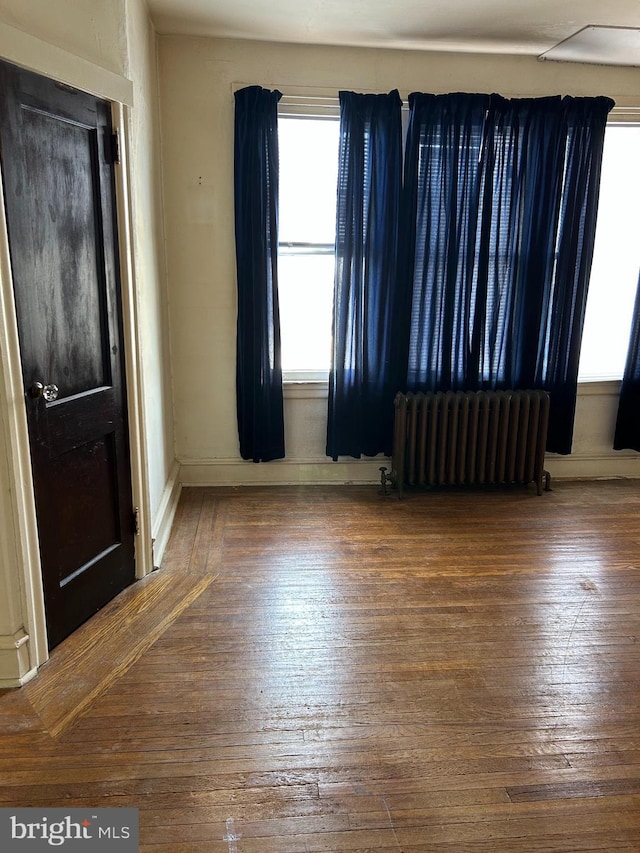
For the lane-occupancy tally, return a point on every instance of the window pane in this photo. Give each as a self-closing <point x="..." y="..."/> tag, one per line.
<point x="307" y="214"/>
<point x="616" y="260"/>
<point x="308" y="179"/>
<point x="305" y="289"/>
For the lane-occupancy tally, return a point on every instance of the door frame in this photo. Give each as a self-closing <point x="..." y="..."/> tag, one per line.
<point x="24" y="648"/>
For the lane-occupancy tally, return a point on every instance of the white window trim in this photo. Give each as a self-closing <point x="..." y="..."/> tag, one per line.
<point x="305" y="389"/>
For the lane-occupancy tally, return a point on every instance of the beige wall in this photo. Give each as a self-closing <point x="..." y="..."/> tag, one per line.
<point x="91" y="29"/>
<point x="149" y="253"/>
<point x="197" y="79"/>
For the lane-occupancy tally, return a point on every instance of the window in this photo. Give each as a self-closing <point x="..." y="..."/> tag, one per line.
<point x="616" y="259"/>
<point x="307" y="222"/>
<point x="307" y="210"/>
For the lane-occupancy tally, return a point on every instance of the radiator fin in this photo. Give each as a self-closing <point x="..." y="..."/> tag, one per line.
<point x="470" y="437"/>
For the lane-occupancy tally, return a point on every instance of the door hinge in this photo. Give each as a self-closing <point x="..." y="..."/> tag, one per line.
<point x="115" y="147"/>
<point x="136" y="521"/>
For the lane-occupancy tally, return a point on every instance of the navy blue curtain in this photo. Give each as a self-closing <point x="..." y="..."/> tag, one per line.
<point x="364" y="374"/>
<point x="440" y="240"/>
<point x="627" y="434"/>
<point x="258" y="366"/>
<point x="500" y="203"/>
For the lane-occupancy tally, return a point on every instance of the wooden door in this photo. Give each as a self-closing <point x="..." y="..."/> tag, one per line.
<point x="57" y="168"/>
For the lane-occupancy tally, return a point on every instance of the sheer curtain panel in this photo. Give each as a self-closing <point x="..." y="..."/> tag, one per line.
<point x="363" y="377"/>
<point x="441" y="239"/>
<point x="500" y="201"/>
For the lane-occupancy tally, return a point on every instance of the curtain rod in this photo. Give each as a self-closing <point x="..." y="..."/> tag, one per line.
<point x="323" y="100"/>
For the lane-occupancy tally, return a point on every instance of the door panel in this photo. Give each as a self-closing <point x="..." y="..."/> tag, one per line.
<point x="70" y="340"/>
<point x="59" y="199"/>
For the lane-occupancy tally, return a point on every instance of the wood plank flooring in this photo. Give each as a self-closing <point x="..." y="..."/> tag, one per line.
<point x="324" y="669"/>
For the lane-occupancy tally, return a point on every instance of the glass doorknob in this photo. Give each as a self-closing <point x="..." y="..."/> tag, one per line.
<point x="49" y="392"/>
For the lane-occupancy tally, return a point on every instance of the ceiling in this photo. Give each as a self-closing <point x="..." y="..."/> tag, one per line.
<point x="528" y="27"/>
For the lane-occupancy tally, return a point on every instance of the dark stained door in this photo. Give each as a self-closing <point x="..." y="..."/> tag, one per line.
<point x="56" y="151"/>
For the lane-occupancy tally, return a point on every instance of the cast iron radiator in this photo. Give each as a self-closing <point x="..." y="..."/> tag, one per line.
<point x="469" y="438"/>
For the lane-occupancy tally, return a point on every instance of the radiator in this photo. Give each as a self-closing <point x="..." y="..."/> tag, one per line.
<point x="469" y="438"/>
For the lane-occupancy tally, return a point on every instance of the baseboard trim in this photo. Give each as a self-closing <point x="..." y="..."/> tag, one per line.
<point x="10" y="683"/>
<point x="594" y="467"/>
<point x="166" y="511"/>
<point x="282" y="472"/>
<point x="14" y="659"/>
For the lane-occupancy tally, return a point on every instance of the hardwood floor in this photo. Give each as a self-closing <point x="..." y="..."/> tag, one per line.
<point x="324" y="669"/>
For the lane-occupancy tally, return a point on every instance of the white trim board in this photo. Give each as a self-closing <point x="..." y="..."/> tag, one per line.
<point x="14" y="660"/>
<point x="237" y="472"/>
<point x="50" y="60"/>
<point x="284" y="472"/>
<point x="133" y="366"/>
<point x="165" y="515"/>
<point x="24" y="577"/>
<point x="624" y="464"/>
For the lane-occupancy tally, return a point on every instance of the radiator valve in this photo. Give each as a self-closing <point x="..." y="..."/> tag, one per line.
<point x="385" y="480"/>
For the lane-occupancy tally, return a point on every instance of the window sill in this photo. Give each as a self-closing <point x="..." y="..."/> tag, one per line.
<point x="598" y="387"/>
<point x="301" y="389"/>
